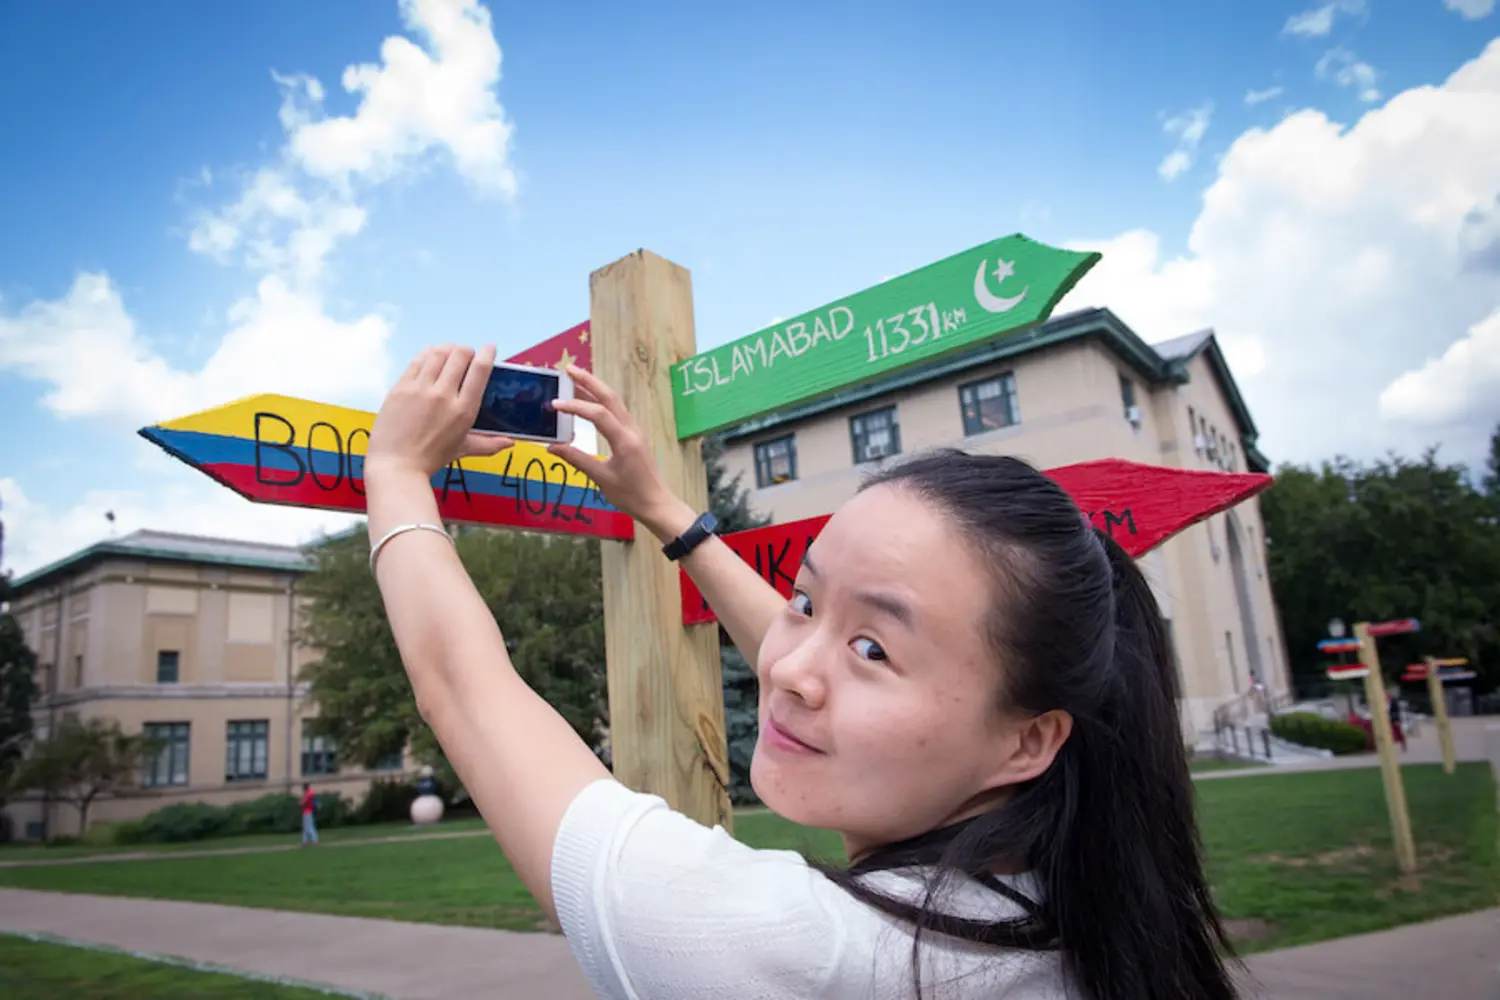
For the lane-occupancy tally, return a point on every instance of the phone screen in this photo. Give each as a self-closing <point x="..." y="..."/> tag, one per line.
<point x="519" y="402"/>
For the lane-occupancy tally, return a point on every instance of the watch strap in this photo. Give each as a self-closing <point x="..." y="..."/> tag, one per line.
<point x="696" y="534"/>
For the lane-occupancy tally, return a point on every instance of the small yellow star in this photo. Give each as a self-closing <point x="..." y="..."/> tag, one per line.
<point x="583" y="336"/>
<point x="564" y="361"/>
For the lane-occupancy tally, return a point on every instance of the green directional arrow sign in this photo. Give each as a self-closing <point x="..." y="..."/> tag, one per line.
<point x="998" y="288"/>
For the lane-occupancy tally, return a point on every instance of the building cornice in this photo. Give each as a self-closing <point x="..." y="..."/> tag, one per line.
<point x="171" y="692"/>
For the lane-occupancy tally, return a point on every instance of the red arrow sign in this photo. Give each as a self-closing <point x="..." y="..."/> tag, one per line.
<point x="1400" y="626"/>
<point x="1139" y="506"/>
<point x="574" y="345"/>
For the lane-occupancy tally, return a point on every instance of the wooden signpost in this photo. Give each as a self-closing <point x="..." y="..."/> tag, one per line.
<point x="1432" y="670"/>
<point x="1365" y="634"/>
<point x="665" y="686"/>
<point x="979" y="295"/>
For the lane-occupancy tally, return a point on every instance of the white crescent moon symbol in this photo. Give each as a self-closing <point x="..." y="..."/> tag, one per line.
<point x="994" y="303"/>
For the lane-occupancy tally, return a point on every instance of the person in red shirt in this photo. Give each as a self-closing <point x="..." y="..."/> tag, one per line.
<point x="309" y="815"/>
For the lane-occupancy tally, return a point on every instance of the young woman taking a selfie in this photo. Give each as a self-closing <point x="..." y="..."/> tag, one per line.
<point x="970" y="684"/>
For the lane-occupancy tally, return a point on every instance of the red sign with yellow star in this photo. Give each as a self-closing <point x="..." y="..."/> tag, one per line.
<point x="571" y="347"/>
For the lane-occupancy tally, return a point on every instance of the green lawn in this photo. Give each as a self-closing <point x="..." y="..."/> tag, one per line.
<point x="1310" y="854"/>
<point x="1306" y="855"/>
<point x="343" y="834"/>
<point x="32" y="970"/>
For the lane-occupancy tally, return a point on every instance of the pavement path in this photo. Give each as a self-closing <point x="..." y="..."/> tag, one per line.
<point x="1470" y="743"/>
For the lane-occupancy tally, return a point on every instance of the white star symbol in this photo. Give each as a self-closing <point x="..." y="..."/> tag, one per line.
<point x="1004" y="269"/>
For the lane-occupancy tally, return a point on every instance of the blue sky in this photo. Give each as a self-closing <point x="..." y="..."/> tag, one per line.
<point x="786" y="153"/>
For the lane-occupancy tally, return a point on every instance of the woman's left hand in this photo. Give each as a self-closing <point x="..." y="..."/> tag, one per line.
<point x="427" y="419"/>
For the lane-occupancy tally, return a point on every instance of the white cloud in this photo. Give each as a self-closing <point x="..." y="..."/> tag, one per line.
<point x="36" y="535"/>
<point x="1188" y="129"/>
<point x="1345" y="68"/>
<point x="284" y="224"/>
<point x="1463" y="384"/>
<point x="1472" y="10"/>
<point x="1254" y="97"/>
<point x="416" y="101"/>
<point x="86" y="348"/>
<point x="1318" y="21"/>
<point x="1334" y="260"/>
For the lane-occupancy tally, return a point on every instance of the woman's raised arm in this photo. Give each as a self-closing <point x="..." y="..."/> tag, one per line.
<point x="518" y="758"/>
<point x="744" y="602"/>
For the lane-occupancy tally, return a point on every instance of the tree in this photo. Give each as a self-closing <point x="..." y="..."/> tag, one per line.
<point x="729" y="501"/>
<point x="1395" y="538"/>
<point x="544" y="592"/>
<point x="18" y="689"/>
<point x="82" y="760"/>
<point x="730" y="504"/>
<point x="1492" y="472"/>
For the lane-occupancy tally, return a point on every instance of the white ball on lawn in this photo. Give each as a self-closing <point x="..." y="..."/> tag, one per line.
<point x="426" y="810"/>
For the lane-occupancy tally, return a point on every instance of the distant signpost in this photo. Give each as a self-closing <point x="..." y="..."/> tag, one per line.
<point x="999" y="287"/>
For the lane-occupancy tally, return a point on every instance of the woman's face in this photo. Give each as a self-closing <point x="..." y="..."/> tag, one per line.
<point x="879" y="694"/>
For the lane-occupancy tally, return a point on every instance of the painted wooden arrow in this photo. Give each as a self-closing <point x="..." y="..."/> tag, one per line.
<point x="1352" y="672"/>
<point x="279" y="450"/>
<point x="1399" y="626"/>
<point x="1338" y="645"/>
<point x="1139" y="506"/>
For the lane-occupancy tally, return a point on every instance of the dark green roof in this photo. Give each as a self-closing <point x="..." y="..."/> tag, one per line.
<point x="163" y="546"/>
<point x="1165" y="363"/>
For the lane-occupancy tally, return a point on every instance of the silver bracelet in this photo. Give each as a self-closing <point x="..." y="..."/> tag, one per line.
<point x="375" y="549"/>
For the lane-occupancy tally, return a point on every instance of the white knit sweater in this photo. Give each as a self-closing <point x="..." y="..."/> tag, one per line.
<point x="658" y="907"/>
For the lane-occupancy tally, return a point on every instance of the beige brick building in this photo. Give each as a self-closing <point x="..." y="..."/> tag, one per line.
<point x="1082" y="386"/>
<point x="189" y="639"/>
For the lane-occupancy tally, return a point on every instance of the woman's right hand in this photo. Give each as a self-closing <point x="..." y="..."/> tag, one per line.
<point x="629" y="479"/>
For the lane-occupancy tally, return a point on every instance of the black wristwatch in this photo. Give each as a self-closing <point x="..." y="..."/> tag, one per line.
<point x="693" y="537"/>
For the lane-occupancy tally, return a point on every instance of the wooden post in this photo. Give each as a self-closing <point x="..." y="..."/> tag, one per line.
<point x="1390" y="770"/>
<point x="1440" y="713"/>
<point x="666" y="694"/>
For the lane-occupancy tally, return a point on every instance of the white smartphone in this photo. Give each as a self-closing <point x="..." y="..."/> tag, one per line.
<point x="518" y="403"/>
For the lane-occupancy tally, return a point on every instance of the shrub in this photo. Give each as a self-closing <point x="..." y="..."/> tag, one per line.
<point x="1311" y="730"/>
<point x="274" y="813"/>
<point x="388" y="801"/>
<point x="176" y="823"/>
<point x="333" y="810"/>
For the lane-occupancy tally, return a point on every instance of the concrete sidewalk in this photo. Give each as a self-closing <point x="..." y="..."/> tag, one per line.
<point x="1453" y="959"/>
<point x="377" y="958"/>
<point x="1471" y="742"/>
<point x="1456" y="958"/>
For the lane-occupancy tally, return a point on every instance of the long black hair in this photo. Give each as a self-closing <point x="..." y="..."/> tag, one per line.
<point x="1108" y="829"/>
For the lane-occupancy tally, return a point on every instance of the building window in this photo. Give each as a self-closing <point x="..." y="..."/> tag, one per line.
<point x="875" y="435"/>
<point x="167" y="662"/>
<point x="245" y="750"/>
<point x="989" y="405"/>
<point x="389" y="762"/>
<point x="78" y="670"/>
<point x="168" y="765"/>
<point x="1127" y="397"/>
<point x="318" y="755"/>
<point x="775" y="461"/>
